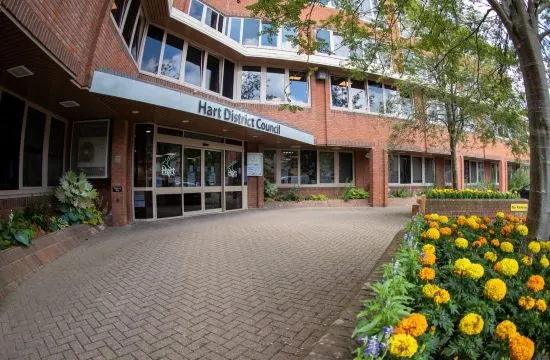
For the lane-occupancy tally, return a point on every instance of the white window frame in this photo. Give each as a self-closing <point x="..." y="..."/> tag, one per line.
<point x="412" y="183"/>
<point x="479" y="164"/>
<point x="121" y="28"/>
<point x="22" y="190"/>
<point x="497" y="173"/>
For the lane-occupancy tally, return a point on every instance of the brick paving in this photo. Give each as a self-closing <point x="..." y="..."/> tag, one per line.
<point x="259" y="284"/>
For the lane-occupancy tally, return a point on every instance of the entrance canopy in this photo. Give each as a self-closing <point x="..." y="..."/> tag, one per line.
<point x="135" y="90"/>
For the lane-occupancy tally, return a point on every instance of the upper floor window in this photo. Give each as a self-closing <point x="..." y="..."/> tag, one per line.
<point x="207" y="15"/>
<point x="436" y="112"/>
<point x="268" y="39"/>
<point x="130" y="20"/>
<point x="367" y="9"/>
<point x="274" y="84"/>
<point x="250" y="82"/>
<point x="323" y="37"/>
<point x="251" y="30"/>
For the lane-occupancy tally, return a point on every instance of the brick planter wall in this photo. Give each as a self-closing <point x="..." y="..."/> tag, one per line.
<point x="313" y="203"/>
<point x="480" y="207"/>
<point x="16" y="263"/>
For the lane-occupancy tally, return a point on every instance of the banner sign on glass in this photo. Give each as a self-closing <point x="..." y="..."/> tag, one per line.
<point x="255" y="164"/>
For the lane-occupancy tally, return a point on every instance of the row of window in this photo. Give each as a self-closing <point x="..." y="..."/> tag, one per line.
<point x="406" y="169"/>
<point x="365" y="8"/>
<point x="130" y="20"/>
<point x="369" y="96"/>
<point x="308" y="167"/>
<point x="474" y="172"/>
<point x="33" y="148"/>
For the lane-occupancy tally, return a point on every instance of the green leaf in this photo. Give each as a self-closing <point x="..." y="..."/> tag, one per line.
<point x="23" y="236"/>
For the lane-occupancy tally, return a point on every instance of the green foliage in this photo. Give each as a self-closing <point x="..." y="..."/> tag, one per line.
<point x="353" y="193"/>
<point x="401" y="193"/>
<point x="292" y="195"/>
<point x="270" y="189"/>
<point x="16" y="230"/>
<point x="318" y="197"/>
<point x="469" y="194"/>
<point x="76" y="198"/>
<point x="519" y="179"/>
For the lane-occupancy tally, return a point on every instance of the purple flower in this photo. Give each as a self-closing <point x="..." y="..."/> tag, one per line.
<point x="387" y="331"/>
<point x="373" y="347"/>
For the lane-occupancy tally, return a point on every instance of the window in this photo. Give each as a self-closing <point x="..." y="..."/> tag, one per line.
<point x="212" y="74"/>
<point x="417" y="169"/>
<point x="376" y="96"/>
<point x="117" y="10"/>
<point x="151" y="51"/>
<point x="130" y="21"/>
<point x="251" y="29"/>
<point x="143" y="155"/>
<point x="436" y="112"/>
<point x="233" y="168"/>
<point x="474" y="171"/>
<point x="346" y="167"/>
<point x="429" y="174"/>
<point x="228" y="78"/>
<point x="289" y="167"/>
<point x="367" y="9"/>
<point x="323" y="37"/>
<point x="358" y="95"/>
<point x="275" y="85"/>
<point x="287" y="36"/>
<point x="404" y="169"/>
<point x="268" y="39"/>
<point x="211" y="18"/>
<point x="339" y="48"/>
<point x="193" y="66"/>
<point x="326" y="167"/>
<point x="171" y="59"/>
<point x="339" y="91"/>
<point x="196" y="9"/>
<point x="269" y="165"/>
<point x="406" y="106"/>
<point x="394" y="169"/>
<point x="56" y="151"/>
<point x="250" y="83"/>
<point x="11" y="123"/>
<point x="391" y="100"/>
<point x="308" y="167"/>
<point x="34" y="144"/>
<point x="298" y="87"/>
<point x="495" y="173"/>
<point x="235" y="32"/>
<point x="138" y="36"/>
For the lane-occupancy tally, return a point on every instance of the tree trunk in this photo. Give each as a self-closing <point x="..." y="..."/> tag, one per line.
<point x="454" y="163"/>
<point x="526" y="41"/>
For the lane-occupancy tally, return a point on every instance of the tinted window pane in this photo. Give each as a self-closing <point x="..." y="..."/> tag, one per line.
<point x="117" y="10"/>
<point x="394" y="169"/>
<point x="220" y="22"/>
<point x="323" y="37"/>
<point x="191" y="167"/>
<point x="233" y="200"/>
<point x="405" y="169"/>
<point x="233" y="168"/>
<point x="11" y="122"/>
<point x="55" y="151"/>
<point x="151" y="51"/>
<point x="212" y="74"/>
<point x="171" y="61"/>
<point x="288" y="34"/>
<point x="138" y="37"/>
<point x="376" y="102"/>
<point x="193" y="66"/>
<point x="429" y="170"/>
<point x="195" y="10"/>
<point x="275" y="86"/>
<point x="213" y="168"/>
<point x="34" y="141"/>
<point x="406" y="106"/>
<point x="417" y="169"/>
<point x="212" y="201"/>
<point x="235" y="29"/>
<point x="339" y="91"/>
<point x="308" y="166"/>
<point x="251" y="29"/>
<point x="143" y="204"/>
<point x="346" y="167"/>
<point x="289" y="167"/>
<point x="339" y="48"/>
<point x="326" y="167"/>
<point x="358" y="95"/>
<point x="228" y="79"/>
<point x="168" y="205"/>
<point x="130" y="21"/>
<point x="211" y="18"/>
<point x="268" y="39"/>
<point x="168" y="165"/>
<point x="391" y="99"/>
<point x="250" y="83"/>
<point x="269" y="165"/>
<point x="298" y="87"/>
<point x="143" y="155"/>
<point x="192" y="202"/>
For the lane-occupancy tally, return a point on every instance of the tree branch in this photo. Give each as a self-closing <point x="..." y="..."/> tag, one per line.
<point x="495" y="5"/>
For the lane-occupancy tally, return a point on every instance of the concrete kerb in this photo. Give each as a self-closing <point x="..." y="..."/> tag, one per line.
<point x="337" y="342"/>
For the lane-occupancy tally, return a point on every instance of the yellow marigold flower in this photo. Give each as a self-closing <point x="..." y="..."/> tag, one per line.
<point x="495" y="242"/>
<point x="471" y="221"/>
<point x="544" y="261"/>
<point x="505" y="329"/>
<point x="443" y="219"/>
<point x="507" y="267"/>
<point x="522" y="230"/>
<point x="427" y="259"/>
<point x="461" y="243"/>
<point x="490" y="256"/>
<point x="499" y="215"/>
<point x="429" y="290"/>
<point x="475" y="271"/>
<point x="521" y="347"/>
<point x="441" y="296"/>
<point x="461" y="265"/>
<point x="414" y="325"/>
<point x="403" y="345"/>
<point x="507" y="247"/>
<point x="541" y="305"/>
<point x="433" y="217"/>
<point x="426" y="274"/>
<point x="534" y="246"/>
<point x="527" y="260"/>
<point x="432" y="234"/>
<point x="428" y="248"/>
<point x="495" y="289"/>
<point x="535" y="283"/>
<point x="471" y="324"/>
<point x="445" y="231"/>
<point x="526" y="302"/>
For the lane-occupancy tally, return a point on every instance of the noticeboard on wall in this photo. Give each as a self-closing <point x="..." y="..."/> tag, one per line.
<point x="255" y="164"/>
<point x="90" y="148"/>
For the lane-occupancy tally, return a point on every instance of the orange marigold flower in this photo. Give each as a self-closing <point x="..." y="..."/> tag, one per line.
<point x="483" y="226"/>
<point x="491" y="231"/>
<point x="487" y="219"/>
<point x="434" y="225"/>
<point x="477" y="244"/>
<point x="482" y="240"/>
<point x="414" y="325"/>
<point x="495" y="243"/>
<point x="426" y="274"/>
<point x="521" y="347"/>
<point x="427" y="259"/>
<point x="461" y="220"/>
<point x="505" y="329"/>
<point x="535" y="283"/>
<point x="446" y="231"/>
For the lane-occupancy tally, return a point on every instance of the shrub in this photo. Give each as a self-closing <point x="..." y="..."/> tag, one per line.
<point x="519" y="179"/>
<point x="292" y="195"/>
<point x="76" y="198"/>
<point x="401" y="193"/>
<point x="469" y="194"/>
<point x="318" y="197"/>
<point x="270" y="189"/>
<point x="16" y="230"/>
<point x="355" y="193"/>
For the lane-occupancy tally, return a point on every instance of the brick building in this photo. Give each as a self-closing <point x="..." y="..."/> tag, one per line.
<point x="162" y="103"/>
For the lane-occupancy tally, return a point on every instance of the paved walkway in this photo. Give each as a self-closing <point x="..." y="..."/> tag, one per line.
<point x="247" y="285"/>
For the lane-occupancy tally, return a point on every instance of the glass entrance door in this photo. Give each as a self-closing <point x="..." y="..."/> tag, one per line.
<point x="213" y="180"/>
<point x="168" y="180"/>
<point x="192" y="180"/>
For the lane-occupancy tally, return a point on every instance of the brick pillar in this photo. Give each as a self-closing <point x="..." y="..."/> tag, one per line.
<point x="255" y="183"/>
<point x="119" y="172"/>
<point x="361" y="169"/>
<point x="439" y="164"/>
<point x="378" y="174"/>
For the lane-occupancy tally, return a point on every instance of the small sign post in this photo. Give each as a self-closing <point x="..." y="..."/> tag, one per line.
<point x="255" y="164"/>
<point x="519" y="207"/>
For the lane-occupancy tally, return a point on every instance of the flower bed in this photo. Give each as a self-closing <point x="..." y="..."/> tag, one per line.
<point x="470" y="194"/>
<point x="480" y="207"/>
<point x="463" y="288"/>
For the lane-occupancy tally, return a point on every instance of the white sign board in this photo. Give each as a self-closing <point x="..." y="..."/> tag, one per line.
<point x="255" y="164"/>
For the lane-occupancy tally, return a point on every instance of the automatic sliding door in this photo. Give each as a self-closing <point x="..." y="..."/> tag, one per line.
<point x="192" y="181"/>
<point x="233" y="180"/>
<point x="213" y="180"/>
<point x="168" y="180"/>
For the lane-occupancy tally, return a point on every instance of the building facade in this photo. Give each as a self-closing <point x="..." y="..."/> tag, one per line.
<point x="166" y="104"/>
